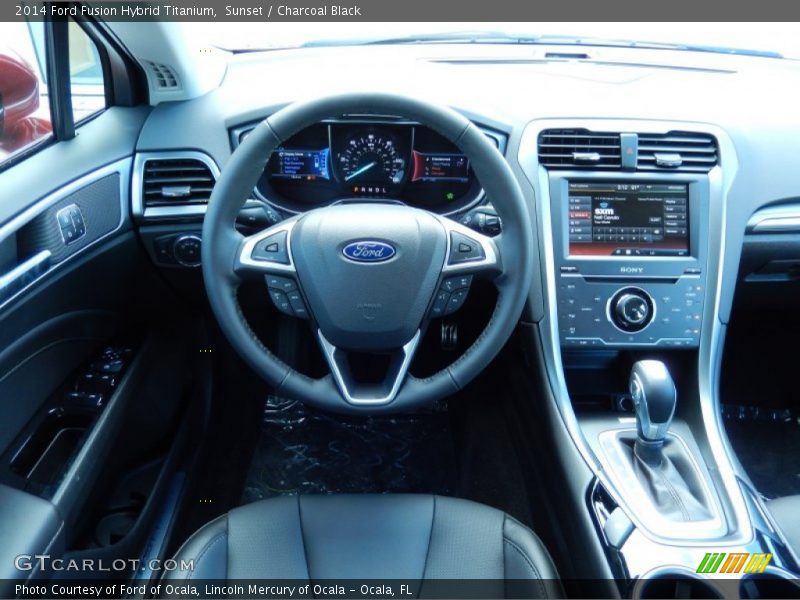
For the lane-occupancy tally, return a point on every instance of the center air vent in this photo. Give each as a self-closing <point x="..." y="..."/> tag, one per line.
<point x="677" y="151"/>
<point x="176" y="181"/>
<point x="579" y="148"/>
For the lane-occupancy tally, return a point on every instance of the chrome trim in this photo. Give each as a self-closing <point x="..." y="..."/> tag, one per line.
<point x="122" y="167"/>
<point x="776" y="219"/>
<point x="165" y="212"/>
<point x="720" y="179"/>
<point x="246" y="255"/>
<point x="408" y="351"/>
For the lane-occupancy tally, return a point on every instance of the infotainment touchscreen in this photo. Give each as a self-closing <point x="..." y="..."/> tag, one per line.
<point x="628" y="219"/>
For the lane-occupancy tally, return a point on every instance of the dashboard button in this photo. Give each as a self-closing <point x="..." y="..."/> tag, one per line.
<point x="187" y="250"/>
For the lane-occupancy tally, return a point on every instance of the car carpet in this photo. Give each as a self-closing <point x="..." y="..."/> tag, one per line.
<point x="304" y="450"/>
<point x="767" y="443"/>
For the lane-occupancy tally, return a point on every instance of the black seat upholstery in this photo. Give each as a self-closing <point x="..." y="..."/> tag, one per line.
<point x="358" y="537"/>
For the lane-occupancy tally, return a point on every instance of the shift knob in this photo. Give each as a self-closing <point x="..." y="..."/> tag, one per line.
<point x="654" y="396"/>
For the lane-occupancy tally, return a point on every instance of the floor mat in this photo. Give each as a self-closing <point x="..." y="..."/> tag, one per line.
<point x="303" y="450"/>
<point x="767" y="443"/>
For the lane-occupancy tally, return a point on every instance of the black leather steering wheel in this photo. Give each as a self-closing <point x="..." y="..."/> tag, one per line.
<point x="368" y="275"/>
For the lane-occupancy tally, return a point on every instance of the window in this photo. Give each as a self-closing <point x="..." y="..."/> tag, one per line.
<point x="86" y="74"/>
<point x="26" y="116"/>
<point x="24" y="106"/>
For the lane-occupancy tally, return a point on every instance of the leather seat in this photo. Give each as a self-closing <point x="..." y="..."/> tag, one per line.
<point x="379" y="537"/>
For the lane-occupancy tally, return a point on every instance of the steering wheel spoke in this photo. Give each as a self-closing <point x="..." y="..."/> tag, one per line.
<point x="469" y="255"/>
<point x="371" y="394"/>
<point x="268" y="254"/>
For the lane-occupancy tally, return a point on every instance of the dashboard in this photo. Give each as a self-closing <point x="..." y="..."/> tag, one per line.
<point x="514" y="93"/>
<point x="378" y="159"/>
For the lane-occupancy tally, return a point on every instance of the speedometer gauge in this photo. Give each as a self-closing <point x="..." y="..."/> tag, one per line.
<point x="371" y="160"/>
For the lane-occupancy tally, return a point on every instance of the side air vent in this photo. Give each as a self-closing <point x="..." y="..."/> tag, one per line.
<point x="677" y="151"/>
<point x="164" y="76"/>
<point x="579" y="148"/>
<point x="174" y="181"/>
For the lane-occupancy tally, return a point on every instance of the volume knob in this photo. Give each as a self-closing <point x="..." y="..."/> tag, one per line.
<point x="632" y="309"/>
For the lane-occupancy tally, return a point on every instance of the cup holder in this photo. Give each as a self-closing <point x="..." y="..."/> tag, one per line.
<point x="674" y="582"/>
<point x="774" y="582"/>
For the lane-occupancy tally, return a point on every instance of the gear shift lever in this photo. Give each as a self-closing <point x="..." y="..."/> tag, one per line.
<point x="654" y="397"/>
<point x="662" y="466"/>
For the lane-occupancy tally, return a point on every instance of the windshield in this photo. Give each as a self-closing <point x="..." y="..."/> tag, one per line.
<point x="775" y="39"/>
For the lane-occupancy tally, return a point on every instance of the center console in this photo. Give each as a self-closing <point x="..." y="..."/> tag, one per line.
<point x="630" y="252"/>
<point x="631" y="220"/>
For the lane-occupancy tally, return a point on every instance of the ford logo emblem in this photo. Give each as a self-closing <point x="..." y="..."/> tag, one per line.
<point x="369" y="251"/>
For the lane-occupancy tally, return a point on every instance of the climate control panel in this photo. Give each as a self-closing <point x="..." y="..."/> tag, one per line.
<point x="617" y="312"/>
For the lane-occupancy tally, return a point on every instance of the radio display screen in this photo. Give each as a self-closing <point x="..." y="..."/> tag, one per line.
<point x="628" y="219"/>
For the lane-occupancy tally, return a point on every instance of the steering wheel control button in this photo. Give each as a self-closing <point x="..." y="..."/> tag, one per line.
<point x="456" y="301"/>
<point x="187" y="250"/>
<point x="272" y="249"/>
<point x="298" y="306"/>
<point x="286" y="296"/>
<point x="440" y="304"/>
<point x="464" y="249"/>
<point x="451" y="295"/>
<point x="284" y="284"/>
<point x="456" y="283"/>
<point x="631" y="309"/>
<point x="281" y="302"/>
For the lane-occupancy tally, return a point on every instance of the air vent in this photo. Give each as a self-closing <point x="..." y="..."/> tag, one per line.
<point x="677" y="151"/>
<point x="164" y="76"/>
<point x="176" y="181"/>
<point x="579" y="148"/>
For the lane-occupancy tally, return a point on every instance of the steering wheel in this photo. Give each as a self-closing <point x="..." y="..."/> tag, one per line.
<point x="370" y="275"/>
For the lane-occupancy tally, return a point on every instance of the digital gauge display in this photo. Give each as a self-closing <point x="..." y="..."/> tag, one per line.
<point x="293" y="163"/>
<point x="440" y="167"/>
<point x="369" y="159"/>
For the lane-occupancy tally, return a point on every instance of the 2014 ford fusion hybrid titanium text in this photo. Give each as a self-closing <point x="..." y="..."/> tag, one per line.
<point x="302" y="311"/>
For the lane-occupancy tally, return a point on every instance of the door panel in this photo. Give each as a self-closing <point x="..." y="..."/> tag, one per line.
<point x="84" y="292"/>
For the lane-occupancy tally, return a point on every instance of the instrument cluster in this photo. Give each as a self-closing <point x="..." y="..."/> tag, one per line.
<point x="369" y="160"/>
